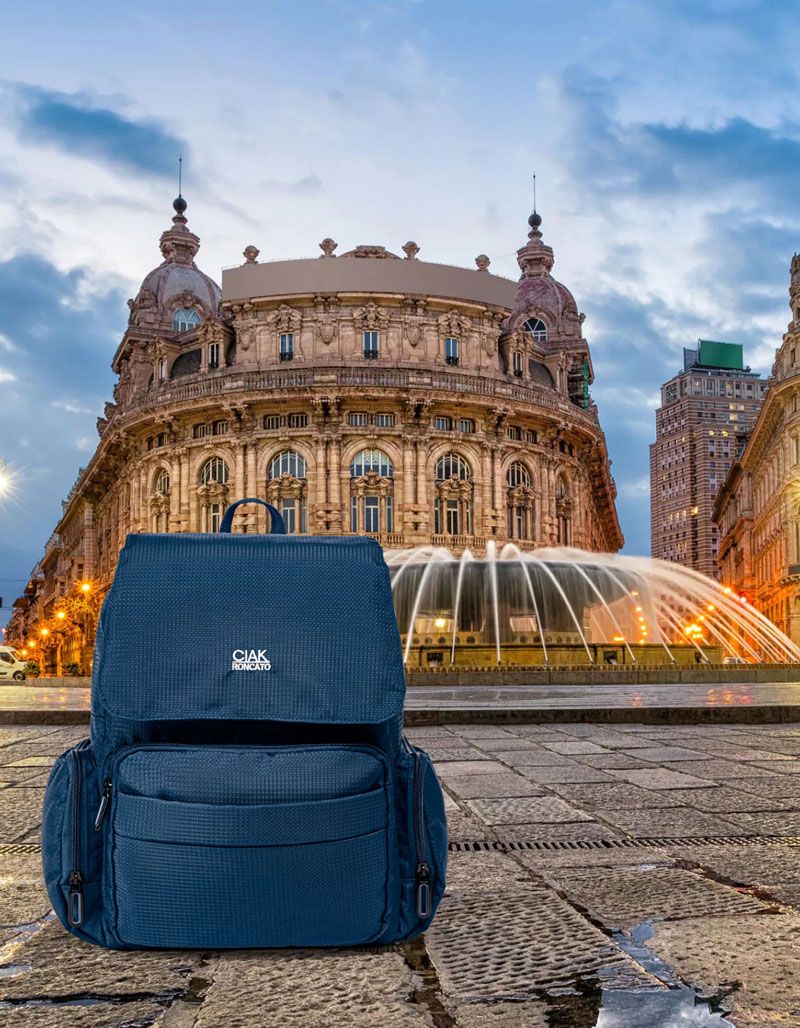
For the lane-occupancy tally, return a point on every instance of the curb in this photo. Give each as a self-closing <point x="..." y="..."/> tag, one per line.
<point x="744" y="714"/>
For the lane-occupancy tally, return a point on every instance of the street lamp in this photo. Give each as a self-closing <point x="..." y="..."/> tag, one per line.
<point x="86" y="587"/>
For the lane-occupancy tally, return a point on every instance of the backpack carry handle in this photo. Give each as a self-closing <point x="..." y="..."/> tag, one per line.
<point x="277" y="525"/>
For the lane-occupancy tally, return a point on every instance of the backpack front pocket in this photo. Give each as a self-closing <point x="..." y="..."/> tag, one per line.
<point x="237" y="846"/>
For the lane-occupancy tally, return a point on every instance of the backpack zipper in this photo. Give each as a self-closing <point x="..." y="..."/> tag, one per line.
<point x="75" y="893"/>
<point x="102" y="810"/>
<point x="423" y="871"/>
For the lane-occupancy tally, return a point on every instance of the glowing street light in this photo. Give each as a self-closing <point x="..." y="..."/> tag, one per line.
<point x="60" y="615"/>
<point x="44" y="632"/>
<point x="86" y="587"/>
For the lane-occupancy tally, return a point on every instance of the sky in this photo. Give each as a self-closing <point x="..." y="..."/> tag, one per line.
<point x="665" y="138"/>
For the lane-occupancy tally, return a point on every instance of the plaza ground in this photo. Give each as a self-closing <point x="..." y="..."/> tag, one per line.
<point x="626" y="875"/>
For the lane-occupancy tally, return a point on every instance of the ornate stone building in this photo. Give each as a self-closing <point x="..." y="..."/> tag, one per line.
<point x="361" y="392"/>
<point x="758" y="507"/>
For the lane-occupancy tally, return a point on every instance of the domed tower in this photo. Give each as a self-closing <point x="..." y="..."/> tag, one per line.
<point x="542" y="341"/>
<point x="175" y="326"/>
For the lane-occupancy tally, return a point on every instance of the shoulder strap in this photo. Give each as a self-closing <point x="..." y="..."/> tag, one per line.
<point x="277" y="525"/>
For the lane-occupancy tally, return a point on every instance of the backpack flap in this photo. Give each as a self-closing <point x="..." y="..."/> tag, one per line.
<point x="285" y="628"/>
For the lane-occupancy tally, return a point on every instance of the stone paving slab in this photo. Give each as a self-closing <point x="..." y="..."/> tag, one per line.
<point x="537" y="757"/>
<point x="785" y="767"/>
<point x="673" y="822"/>
<point x="63" y="966"/>
<point x="721" y="770"/>
<point x="460" y="768"/>
<point x="612" y="760"/>
<point x="526" y="810"/>
<point x="664" y="754"/>
<point x="500" y="944"/>
<point x="20" y="814"/>
<point x="660" y="778"/>
<point x="776" y="786"/>
<point x="572" y="774"/>
<point x="725" y="799"/>
<point x="753" y="961"/>
<point x="623" y="897"/>
<point x="747" y="864"/>
<point x="96" y="1015"/>
<point x="472" y="787"/>
<point x="615" y="795"/>
<point x="541" y="862"/>
<point x="312" y="989"/>
<point x="768" y="823"/>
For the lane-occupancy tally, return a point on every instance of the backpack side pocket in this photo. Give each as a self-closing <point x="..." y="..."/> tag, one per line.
<point x="71" y="857"/>
<point x="425" y="872"/>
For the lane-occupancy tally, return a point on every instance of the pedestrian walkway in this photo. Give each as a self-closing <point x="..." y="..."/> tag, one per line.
<point x="762" y="701"/>
<point x="640" y="876"/>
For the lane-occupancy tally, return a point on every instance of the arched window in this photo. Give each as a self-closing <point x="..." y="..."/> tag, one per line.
<point x="287" y="463"/>
<point x="537" y="329"/>
<point x="563" y="513"/>
<point x="518" y="474"/>
<point x="213" y="493"/>
<point x="287" y="489"/>
<point x="371" y="492"/>
<point x="214" y="470"/>
<point x="162" y="482"/>
<point x="520" y="502"/>
<point x="453" y="508"/>
<point x="185" y="318"/>
<point x="374" y="461"/>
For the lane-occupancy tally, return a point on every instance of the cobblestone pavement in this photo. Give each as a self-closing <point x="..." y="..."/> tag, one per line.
<point x="634" y="876"/>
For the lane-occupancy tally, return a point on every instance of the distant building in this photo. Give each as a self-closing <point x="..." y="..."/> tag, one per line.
<point x="706" y="412"/>
<point x="758" y="508"/>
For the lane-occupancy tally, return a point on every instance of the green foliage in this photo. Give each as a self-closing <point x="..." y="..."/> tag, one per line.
<point x="32" y="669"/>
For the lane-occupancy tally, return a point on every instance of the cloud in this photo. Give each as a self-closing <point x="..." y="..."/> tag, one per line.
<point x="7" y="376"/>
<point x="75" y="124"/>
<point x="307" y="184"/>
<point x="61" y="347"/>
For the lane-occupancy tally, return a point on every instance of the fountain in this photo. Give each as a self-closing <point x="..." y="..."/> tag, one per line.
<point x="564" y="606"/>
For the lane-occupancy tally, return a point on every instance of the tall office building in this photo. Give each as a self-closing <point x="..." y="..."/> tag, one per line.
<point x="706" y="413"/>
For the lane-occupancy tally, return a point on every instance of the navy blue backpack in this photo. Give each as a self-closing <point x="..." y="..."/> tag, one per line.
<point x="246" y="782"/>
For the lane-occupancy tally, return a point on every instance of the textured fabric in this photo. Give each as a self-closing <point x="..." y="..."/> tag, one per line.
<point x="246" y="784"/>
<point x="320" y="609"/>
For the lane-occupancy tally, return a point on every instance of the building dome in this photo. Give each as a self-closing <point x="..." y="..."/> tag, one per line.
<point x="538" y="293"/>
<point x="177" y="284"/>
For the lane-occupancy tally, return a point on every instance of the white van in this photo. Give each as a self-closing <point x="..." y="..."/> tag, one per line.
<point x="10" y="665"/>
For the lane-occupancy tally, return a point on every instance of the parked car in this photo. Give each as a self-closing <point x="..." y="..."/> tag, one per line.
<point x="10" y="665"/>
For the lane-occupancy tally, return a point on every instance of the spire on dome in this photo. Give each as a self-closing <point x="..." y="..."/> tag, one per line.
<point x="178" y="244"/>
<point x="535" y="259"/>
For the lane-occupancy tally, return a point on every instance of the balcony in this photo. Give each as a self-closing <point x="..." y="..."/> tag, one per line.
<point x="325" y="376"/>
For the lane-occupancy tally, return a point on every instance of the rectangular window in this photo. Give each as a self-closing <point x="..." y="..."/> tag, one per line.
<point x="451" y="350"/>
<point x="372" y="514"/>
<point x="298" y="420"/>
<point x="357" y="419"/>
<point x="514" y="432"/>
<point x="517" y="364"/>
<point x="289" y="511"/>
<point x="199" y="431"/>
<point x="384" y="420"/>
<point x="389" y="515"/>
<point x="354" y="514"/>
<point x="213" y="355"/>
<point x="443" y="424"/>
<point x="162" y="370"/>
<point x="370" y="344"/>
<point x="286" y="346"/>
<point x="272" y="421"/>
<point x="214" y="517"/>
<point x="219" y="427"/>
<point x="453" y="519"/>
<point x="466" y="425"/>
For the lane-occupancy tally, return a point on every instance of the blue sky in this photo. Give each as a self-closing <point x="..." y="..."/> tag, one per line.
<point x="665" y="137"/>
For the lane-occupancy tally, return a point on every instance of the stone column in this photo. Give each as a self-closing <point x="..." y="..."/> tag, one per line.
<point x="251" y="481"/>
<point x="497" y="480"/>
<point x="338" y="519"/>
<point x="185" y="518"/>
<point x="486" y="490"/>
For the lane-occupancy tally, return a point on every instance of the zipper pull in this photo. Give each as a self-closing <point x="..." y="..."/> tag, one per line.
<point x="105" y="799"/>
<point x="75" y="899"/>
<point x="423" y="891"/>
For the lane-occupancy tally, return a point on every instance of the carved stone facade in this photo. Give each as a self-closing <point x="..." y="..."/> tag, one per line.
<point x="758" y="507"/>
<point x="362" y="392"/>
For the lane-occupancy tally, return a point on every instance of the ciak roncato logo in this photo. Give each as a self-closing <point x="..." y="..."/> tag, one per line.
<point x="250" y="660"/>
